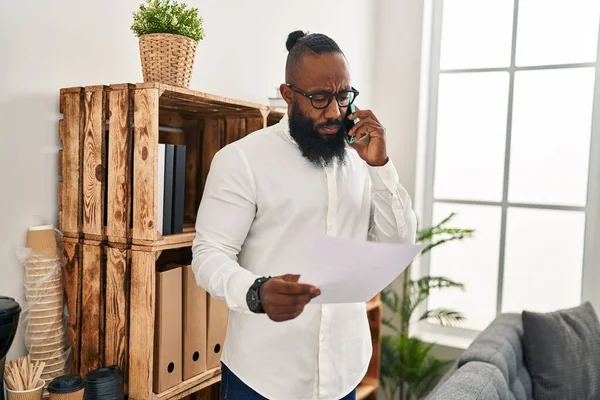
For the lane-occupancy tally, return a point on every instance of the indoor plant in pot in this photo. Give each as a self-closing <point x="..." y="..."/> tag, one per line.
<point x="168" y="36"/>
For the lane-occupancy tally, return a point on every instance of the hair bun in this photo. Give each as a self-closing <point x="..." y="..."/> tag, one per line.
<point x="293" y="38"/>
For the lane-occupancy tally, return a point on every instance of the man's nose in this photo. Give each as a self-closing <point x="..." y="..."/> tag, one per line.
<point x="333" y="110"/>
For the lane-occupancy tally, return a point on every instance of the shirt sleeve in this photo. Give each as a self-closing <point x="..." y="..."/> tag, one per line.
<point x="224" y="217"/>
<point x="392" y="216"/>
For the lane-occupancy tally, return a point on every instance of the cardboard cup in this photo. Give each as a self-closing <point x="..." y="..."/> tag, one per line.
<point x="47" y="304"/>
<point x="42" y="240"/>
<point x="37" y="348"/>
<point x="60" y="350"/>
<point x="55" y="295"/>
<point x="51" y="350"/>
<point x="47" y="312"/>
<point x="33" y="394"/>
<point x="46" y="320"/>
<point x="51" y="335"/>
<point x="44" y="327"/>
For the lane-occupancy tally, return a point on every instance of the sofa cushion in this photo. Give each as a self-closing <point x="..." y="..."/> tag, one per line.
<point x="562" y="352"/>
<point x="473" y="381"/>
<point x="500" y="345"/>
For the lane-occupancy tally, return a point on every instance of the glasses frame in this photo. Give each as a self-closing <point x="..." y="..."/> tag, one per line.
<point x="330" y="95"/>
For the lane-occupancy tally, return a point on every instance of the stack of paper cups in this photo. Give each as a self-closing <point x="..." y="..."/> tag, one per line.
<point x="44" y="291"/>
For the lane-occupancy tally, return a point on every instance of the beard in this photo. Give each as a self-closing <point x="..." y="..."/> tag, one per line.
<point x="320" y="150"/>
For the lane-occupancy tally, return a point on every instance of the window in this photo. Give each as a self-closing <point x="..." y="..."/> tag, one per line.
<point x="513" y="148"/>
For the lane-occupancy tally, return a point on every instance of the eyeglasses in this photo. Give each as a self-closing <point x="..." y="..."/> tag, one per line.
<point x="321" y="100"/>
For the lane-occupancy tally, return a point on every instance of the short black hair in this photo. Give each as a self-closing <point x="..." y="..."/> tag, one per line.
<point x="300" y="44"/>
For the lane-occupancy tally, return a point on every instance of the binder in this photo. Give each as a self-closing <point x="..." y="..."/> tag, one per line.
<point x="217" y="329"/>
<point x="194" y="325"/>
<point x="168" y="336"/>
<point x="178" y="189"/>
<point x="168" y="189"/>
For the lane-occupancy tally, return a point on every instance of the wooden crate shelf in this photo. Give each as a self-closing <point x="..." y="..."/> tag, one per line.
<point x="108" y="198"/>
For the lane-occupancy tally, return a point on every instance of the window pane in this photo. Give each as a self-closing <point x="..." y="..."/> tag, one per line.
<point x="557" y="31"/>
<point x="476" y="34"/>
<point x="544" y="257"/>
<point x="471" y="134"/>
<point x="550" y="143"/>
<point x="473" y="262"/>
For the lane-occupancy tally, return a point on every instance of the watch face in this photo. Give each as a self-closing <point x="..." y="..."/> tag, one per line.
<point x="252" y="300"/>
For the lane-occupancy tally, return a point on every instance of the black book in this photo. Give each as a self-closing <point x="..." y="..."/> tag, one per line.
<point x="179" y="189"/>
<point x="168" y="189"/>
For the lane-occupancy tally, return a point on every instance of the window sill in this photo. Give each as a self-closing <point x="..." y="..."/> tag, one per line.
<point x="447" y="340"/>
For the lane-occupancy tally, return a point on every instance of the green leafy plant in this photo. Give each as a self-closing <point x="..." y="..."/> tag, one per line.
<point x="407" y="365"/>
<point x="167" y="16"/>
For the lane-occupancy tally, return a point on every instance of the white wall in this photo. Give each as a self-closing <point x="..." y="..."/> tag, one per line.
<point x="64" y="43"/>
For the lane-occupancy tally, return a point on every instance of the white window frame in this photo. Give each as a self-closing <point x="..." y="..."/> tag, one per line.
<point x="424" y="199"/>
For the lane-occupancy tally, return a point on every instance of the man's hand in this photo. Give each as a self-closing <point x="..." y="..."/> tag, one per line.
<point x="369" y="138"/>
<point x="283" y="298"/>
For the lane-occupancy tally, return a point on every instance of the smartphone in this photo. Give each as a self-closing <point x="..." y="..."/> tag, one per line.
<point x="349" y="123"/>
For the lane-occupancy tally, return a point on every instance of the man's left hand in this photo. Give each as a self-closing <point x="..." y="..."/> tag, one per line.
<point x="369" y="136"/>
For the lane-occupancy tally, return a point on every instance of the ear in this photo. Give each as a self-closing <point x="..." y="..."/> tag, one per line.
<point x="286" y="93"/>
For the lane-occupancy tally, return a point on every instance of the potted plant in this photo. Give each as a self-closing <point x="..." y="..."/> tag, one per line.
<point x="168" y="35"/>
<point x="407" y="365"/>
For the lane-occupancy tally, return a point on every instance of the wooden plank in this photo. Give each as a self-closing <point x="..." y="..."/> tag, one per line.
<point x="170" y="118"/>
<point x="253" y="125"/>
<point x="211" y="143"/>
<point x="117" y="307"/>
<point x="60" y="162"/>
<point x="141" y="325"/>
<point x="93" y="163"/>
<point x="71" y="272"/>
<point x="193" y="144"/>
<point x="187" y="96"/>
<point x="70" y="135"/>
<point x="175" y="241"/>
<point x="145" y="155"/>
<point x="235" y="129"/>
<point x="192" y="385"/>
<point x="171" y="137"/>
<point x="275" y="115"/>
<point x="119" y="166"/>
<point x="91" y="298"/>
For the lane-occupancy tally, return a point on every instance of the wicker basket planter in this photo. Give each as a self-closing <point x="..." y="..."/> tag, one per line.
<point x="167" y="58"/>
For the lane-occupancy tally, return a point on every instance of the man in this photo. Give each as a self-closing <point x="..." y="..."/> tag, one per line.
<point x="270" y="194"/>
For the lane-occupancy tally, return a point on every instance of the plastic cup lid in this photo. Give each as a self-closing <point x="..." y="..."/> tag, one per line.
<point x="66" y="384"/>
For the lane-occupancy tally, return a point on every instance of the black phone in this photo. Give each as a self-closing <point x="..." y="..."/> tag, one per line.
<point x="349" y="123"/>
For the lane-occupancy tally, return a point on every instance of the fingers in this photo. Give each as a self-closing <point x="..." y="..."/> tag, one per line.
<point x="365" y="127"/>
<point x="362" y="114"/>
<point x="288" y="285"/>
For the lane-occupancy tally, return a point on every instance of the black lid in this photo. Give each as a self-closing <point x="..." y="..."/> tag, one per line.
<point x="9" y="309"/>
<point x="103" y="374"/>
<point x="66" y="384"/>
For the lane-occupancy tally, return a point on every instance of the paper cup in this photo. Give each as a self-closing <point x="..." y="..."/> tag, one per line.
<point x="42" y="240"/>
<point x="50" y="335"/>
<point x="33" y="394"/>
<point x="46" y="304"/>
<point x="44" y="312"/>
<point x="52" y="351"/>
<point x="46" y="320"/>
<point x="41" y="348"/>
<point x="67" y="387"/>
<point x="55" y="372"/>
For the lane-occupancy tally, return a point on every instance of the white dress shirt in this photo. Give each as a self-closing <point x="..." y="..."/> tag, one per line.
<point x="262" y="201"/>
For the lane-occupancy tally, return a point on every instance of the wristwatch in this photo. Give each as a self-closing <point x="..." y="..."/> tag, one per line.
<point x="253" y="295"/>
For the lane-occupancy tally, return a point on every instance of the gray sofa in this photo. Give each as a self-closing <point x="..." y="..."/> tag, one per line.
<point x="492" y="368"/>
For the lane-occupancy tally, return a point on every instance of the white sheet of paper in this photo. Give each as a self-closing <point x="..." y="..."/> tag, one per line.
<point x="352" y="271"/>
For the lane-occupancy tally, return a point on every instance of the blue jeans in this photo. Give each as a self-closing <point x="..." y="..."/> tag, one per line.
<point x="232" y="388"/>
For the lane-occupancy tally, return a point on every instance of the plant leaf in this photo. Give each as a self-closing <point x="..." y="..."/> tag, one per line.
<point x="444" y="316"/>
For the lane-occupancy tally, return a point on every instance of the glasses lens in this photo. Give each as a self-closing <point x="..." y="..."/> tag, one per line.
<point x="345" y="99"/>
<point x="321" y="100"/>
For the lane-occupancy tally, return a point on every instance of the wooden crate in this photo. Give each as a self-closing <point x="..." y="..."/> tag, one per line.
<point x="108" y="163"/>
